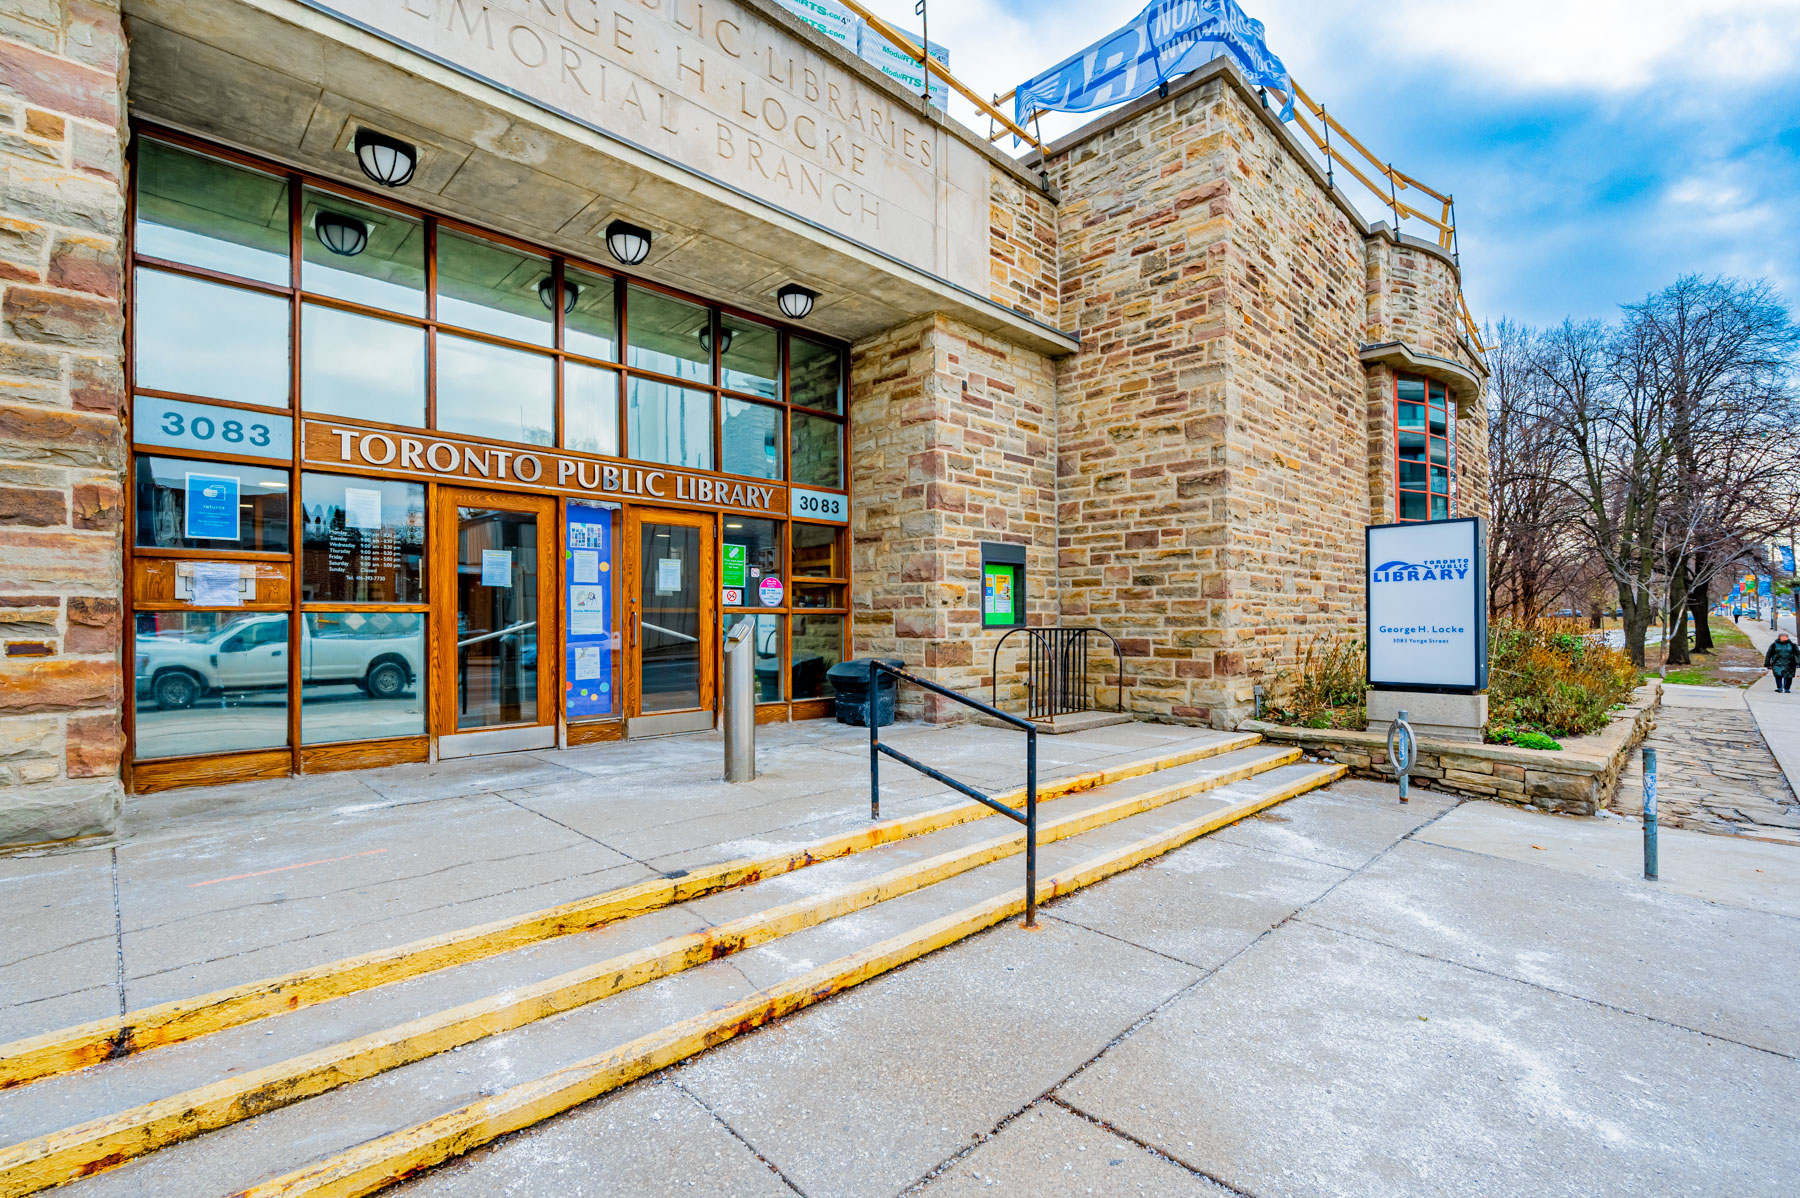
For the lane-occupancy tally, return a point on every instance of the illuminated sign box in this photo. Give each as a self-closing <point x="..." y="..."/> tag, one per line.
<point x="1427" y="605"/>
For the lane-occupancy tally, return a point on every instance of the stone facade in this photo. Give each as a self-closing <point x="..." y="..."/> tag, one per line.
<point x="952" y="436"/>
<point x="62" y="216"/>
<point x="1022" y="250"/>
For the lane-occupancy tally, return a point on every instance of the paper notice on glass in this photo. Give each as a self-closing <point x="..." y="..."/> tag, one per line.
<point x="587" y="611"/>
<point x="587" y="662"/>
<point x="668" y="575"/>
<point x="214" y="584"/>
<point x="586" y="566"/>
<point x="362" y="508"/>
<point x="496" y="567"/>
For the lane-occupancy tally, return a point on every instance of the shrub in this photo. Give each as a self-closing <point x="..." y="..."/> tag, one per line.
<point x="1546" y="676"/>
<point x="1325" y="690"/>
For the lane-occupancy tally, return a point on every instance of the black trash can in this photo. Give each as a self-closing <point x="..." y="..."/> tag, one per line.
<point x="851" y="682"/>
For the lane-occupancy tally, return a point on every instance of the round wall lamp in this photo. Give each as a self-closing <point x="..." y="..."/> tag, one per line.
<point x="547" y="290"/>
<point x="387" y="160"/>
<point x="343" y="235"/>
<point x="706" y="339"/>
<point x="628" y="243"/>
<point x="796" y="301"/>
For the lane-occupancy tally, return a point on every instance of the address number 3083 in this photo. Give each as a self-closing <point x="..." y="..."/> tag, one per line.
<point x="819" y="505"/>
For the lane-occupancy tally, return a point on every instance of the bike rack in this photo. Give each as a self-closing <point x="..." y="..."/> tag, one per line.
<point x="1027" y="817"/>
<point x="1057" y="670"/>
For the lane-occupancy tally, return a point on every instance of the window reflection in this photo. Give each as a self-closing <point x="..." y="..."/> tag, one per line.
<point x="752" y="552"/>
<point x="355" y="365"/>
<point x="818" y="645"/>
<point x="669" y="424"/>
<point x="817" y="375"/>
<point x="201" y="338"/>
<point x="209" y="682"/>
<point x="590" y="409"/>
<point x="818" y="452"/>
<point x="750" y="354"/>
<point x="362" y="676"/>
<point x="766" y="640"/>
<point x="818" y="552"/>
<point x="362" y="540"/>
<point x="750" y="439"/>
<point x="590" y="326"/>
<point x="494" y="391"/>
<point x="208" y="213"/>
<point x="384" y="267"/>
<point x="485" y="286"/>
<point x="668" y="335"/>
<point x="183" y="504"/>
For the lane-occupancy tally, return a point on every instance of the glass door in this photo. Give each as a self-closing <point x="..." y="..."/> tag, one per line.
<point x="671" y="622"/>
<point x="496" y="575"/>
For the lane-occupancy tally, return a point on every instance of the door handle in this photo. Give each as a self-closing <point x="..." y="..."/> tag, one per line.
<point x="634" y="629"/>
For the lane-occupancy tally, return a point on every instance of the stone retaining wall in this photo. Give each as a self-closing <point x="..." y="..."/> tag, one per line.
<point x="1580" y="779"/>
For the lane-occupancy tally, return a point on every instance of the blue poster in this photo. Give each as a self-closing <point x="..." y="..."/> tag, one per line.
<point x="1764" y="584"/>
<point x="1787" y="558"/>
<point x="587" y="617"/>
<point x="1169" y="38"/>
<point x="212" y="507"/>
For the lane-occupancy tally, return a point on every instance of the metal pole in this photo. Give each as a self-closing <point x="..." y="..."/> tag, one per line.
<point x="1650" y="814"/>
<point x="740" y="703"/>
<point x="874" y="745"/>
<point x="1031" y="824"/>
<point x="1402" y="750"/>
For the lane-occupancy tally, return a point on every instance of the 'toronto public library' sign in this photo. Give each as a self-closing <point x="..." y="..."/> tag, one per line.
<point x="1427" y="605"/>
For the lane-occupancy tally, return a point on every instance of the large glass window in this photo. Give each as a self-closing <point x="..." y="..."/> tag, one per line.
<point x="750" y="438"/>
<point x="766" y="639"/>
<point x="818" y="552"/>
<point x="361" y="676"/>
<point x="362" y="253"/>
<point x="355" y="365"/>
<point x="1424" y="434"/>
<point x="590" y="325"/>
<point x="668" y="335"/>
<point x="495" y="391"/>
<point x="183" y="504"/>
<point x="751" y="356"/>
<point x="485" y="286"/>
<point x="670" y="424"/>
<point x="362" y="540"/>
<point x="211" y="214"/>
<point x="209" y="682"/>
<point x="750" y="552"/>
<point x="590" y="409"/>
<point x="818" y="456"/>
<point x="201" y="338"/>
<point x="817" y="375"/>
<point x="818" y="645"/>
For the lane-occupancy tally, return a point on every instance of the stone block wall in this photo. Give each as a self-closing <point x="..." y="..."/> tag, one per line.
<point x="953" y="436"/>
<point x="1022" y="252"/>
<point x="62" y="226"/>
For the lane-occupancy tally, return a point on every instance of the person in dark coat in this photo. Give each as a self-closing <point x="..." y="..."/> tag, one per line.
<point x="1782" y="659"/>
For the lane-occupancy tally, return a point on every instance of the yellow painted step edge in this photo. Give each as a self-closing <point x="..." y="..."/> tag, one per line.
<point x="68" y="1049"/>
<point x="376" y="1164"/>
<point x="99" y="1144"/>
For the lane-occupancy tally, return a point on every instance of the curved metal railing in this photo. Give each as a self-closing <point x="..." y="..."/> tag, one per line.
<point x="1057" y="675"/>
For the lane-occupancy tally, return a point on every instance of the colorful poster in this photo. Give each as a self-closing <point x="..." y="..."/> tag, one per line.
<point x="735" y="558"/>
<point x="212" y="506"/>
<point x="769" y="592"/>
<point x="588" y="683"/>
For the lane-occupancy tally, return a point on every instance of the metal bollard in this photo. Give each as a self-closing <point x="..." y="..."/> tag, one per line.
<point x="740" y="703"/>
<point x="1650" y="815"/>
<point x="1402" y="750"/>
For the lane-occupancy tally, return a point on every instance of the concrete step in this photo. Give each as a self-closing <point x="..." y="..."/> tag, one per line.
<point x="375" y="1061"/>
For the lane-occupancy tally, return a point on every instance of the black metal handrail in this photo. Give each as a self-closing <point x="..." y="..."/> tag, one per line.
<point x="1057" y="670"/>
<point x="1028" y="817"/>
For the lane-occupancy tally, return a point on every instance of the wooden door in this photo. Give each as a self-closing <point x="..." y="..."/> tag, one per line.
<point x="671" y="614"/>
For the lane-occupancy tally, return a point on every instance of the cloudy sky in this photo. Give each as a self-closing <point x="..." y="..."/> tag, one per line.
<point x="1596" y="148"/>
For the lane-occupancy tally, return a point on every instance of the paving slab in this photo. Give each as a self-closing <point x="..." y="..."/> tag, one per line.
<point x="1323" y="1064"/>
<point x="621" y="1146"/>
<point x="1346" y="825"/>
<point x="866" y="1094"/>
<point x="1734" y="871"/>
<point x="1696" y="964"/>
<point x="1048" y="1151"/>
<point x="59" y="947"/>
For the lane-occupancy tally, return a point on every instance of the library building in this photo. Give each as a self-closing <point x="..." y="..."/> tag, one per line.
<point x="388" y="381"/>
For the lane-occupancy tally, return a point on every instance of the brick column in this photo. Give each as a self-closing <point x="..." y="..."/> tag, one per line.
<point x="62" y="228"/>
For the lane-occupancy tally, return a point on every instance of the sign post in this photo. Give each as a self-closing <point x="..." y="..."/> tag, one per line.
<point x="1426" y="586"/>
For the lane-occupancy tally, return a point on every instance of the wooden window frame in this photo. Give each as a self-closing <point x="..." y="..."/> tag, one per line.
<point x="1448" y="439"/>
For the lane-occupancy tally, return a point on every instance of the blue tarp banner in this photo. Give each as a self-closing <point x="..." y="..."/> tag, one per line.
<point x="1787" y="557"/>
<point x="1168" y="39"/>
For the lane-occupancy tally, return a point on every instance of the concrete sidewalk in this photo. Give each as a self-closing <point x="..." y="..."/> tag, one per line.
<point x="1341" y="997"/>
<point x="1778" y="716"/>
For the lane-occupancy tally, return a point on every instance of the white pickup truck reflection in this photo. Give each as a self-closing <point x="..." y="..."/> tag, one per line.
<point x="251" y="654"/>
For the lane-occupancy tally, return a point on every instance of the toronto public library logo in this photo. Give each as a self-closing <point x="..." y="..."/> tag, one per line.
<point x="1450" y="569"/>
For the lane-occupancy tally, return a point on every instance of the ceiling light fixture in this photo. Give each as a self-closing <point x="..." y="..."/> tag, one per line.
<point x="345" y="236"/>
<point x="628" y="243"/>
<point x="796" y="301"/>
<point x="547" y="290"/>
<point x="725" y="336"/>
<point x="387" y="160"/>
